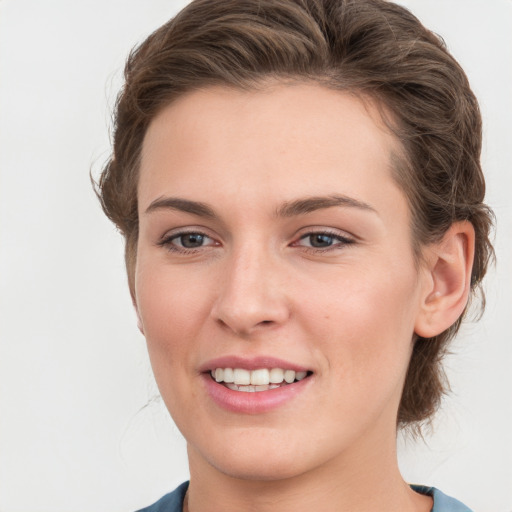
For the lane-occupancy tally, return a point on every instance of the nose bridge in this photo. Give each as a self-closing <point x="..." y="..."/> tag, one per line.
<point x="251" y="294"/>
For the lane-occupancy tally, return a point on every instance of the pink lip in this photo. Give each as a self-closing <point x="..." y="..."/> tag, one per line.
<point x="253" y="363"/>
<point x="253" y="403"/>
<point x="257" y="402"/>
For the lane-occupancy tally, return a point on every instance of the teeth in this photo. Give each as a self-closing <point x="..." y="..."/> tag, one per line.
<point x="276" y="376"/>
<point x="251" y="389"/>
<point x="242" y="377"/>
<point x="262" y="379"/>
<point x="247" y="389"/>
<point x="229" y="375"/>
<point x="289" y="376"/>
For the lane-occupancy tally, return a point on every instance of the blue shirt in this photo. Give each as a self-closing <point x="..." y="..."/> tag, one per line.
<point x="173" y="502"/>
<point x="442" y="503"/>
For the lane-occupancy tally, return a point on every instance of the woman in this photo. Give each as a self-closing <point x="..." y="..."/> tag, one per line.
<point x="299" y="187"/>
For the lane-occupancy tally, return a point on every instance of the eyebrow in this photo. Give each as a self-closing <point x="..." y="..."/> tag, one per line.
<point x="288" y="209"/>
<point x="183" y="205"/>
<point x="311" y="204"/>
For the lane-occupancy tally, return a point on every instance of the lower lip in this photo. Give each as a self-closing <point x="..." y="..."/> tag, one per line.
<point x="253" y="402"/>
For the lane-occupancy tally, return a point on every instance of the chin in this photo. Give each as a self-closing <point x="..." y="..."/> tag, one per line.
<point x="260" y="456"/>
<point x="256" y="469"/>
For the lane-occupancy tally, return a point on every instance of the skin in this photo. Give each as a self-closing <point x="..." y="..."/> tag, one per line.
<point x="255" y="285"/>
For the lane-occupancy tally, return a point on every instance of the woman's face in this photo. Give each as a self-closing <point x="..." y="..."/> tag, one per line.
<point x="273" y="238"/>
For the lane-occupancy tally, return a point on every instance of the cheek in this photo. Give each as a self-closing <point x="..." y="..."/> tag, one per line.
<point x="173" y="312"/>
<point x="364" y="322"/>
<point x="172" y="317"/>
<point x="364" y="339"/>
<point x="169" y="302"/>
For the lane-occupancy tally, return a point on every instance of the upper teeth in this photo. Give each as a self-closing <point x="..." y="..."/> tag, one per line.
<point x="260" y="377"/>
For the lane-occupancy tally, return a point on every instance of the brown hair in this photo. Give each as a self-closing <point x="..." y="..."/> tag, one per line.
<point x="370" y="47"/>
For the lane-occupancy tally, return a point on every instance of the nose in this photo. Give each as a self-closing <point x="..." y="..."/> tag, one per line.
<point x="252" y="293"/>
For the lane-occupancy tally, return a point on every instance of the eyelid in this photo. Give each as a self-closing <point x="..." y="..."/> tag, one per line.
<point x="342" y="237"/>
<point x="185" y="230"/>
<point x="169" y="236"/>
<point x="323" y="230"/>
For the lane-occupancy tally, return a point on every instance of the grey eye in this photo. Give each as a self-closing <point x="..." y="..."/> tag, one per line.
<point x="191" y="240"/>
<point x="321" y="240"/>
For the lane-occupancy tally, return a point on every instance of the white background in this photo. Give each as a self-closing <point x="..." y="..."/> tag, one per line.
<point x="74" y="376"/>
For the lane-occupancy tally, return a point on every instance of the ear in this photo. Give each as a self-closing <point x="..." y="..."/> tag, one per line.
<point x="448" y="280"/>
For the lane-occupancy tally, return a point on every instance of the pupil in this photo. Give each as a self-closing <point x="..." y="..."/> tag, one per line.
<point x="321" y="240"/>
<point x="192" y="240"/>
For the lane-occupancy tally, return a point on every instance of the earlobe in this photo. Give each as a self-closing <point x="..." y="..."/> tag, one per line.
<point x="139" y="319"/>
<point x="448" y="282"/>
<point x="139" y="322"/>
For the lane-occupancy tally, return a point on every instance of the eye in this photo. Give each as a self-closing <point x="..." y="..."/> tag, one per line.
<point x="190" y="240"/>
<point x="187" y="241"/>
<point x="323" y="240"/>
<point x="319" y="240"/>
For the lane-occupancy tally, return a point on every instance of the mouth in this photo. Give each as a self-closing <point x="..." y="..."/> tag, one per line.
<point x="258" y="380"/>
<point x="255" y="385"/>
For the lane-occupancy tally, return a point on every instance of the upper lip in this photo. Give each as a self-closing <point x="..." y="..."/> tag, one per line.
<point x="251" y="363"/>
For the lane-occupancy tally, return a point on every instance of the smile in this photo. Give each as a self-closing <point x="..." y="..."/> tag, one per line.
<point x="255" y="385"/>
<point x="262" y="379"/>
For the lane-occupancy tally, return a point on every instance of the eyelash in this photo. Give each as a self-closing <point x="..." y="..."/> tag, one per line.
<point x="343" y="241"/>
<point x="167" y="241"/>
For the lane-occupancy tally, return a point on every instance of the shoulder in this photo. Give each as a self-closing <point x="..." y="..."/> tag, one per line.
<point x="442" y="503"/>
<point x="172" y="502"/>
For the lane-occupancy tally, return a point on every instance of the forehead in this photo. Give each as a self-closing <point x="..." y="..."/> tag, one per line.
<point x="280" y="141"/>
<point x="308" y="112"/>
